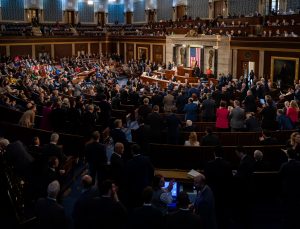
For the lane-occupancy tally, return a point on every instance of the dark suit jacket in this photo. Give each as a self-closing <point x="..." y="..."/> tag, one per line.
<point x="117" y="165"/>
<point x="183" y="219"/>
<point x="52" y="150"/>
<point x="290" y="176"/>
<point x="104" y="211"/>
<point x="250" y="103"/>
<point x="209" y="109"/>
<point x="218" y="173"/>
<point x="139" y="174"/>
<point x="118" y="136"/>
<point x="155" y="121"/>
<point x="210" y="140"/>
<point x="146" y="217"/>
<point x="246" y="167"/>
<point x="205" y="208"/>
<point x="50" y="214"/>
<point x="81" y="205"/>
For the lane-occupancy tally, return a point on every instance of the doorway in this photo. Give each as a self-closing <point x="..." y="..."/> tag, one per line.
<point x="70" y="17"/>
<point x="33" y="16"/>
<point x="218" y="8"/>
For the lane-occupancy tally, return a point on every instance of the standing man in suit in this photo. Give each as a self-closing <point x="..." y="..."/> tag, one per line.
<point x="139" y="173"/>
<point x="210" y="139"/>
<point x="183" y="217"/>
<point x="168" y="102"/>
<point x="237" y="117"/>
<point x="96" y="158"/>
<point x="290" y="174"/>
<point x="218" y="173"/>
<point x="88" y="192"/>
<point x="117" y="164"/>
<point x="53" y="150"/>
<point x="50" y="214"/>
<point x="204" y="205"/>
<point x="244" y="186"/>
<point x="208" y="109"/>
<point x="154" y="120"/>
<point x="147" y="216"/>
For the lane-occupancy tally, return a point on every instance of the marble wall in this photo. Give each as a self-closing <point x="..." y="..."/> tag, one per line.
<point x="222" y="44"/>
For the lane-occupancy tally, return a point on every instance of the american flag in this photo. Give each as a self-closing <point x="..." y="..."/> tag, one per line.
<point x="195" y="55"/>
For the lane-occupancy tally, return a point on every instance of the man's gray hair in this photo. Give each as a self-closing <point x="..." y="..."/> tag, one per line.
<point x="53" y="189"/>
<point x="54" y="137"/>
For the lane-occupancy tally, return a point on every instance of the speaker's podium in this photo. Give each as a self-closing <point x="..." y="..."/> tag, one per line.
<point x="182" y="71"/>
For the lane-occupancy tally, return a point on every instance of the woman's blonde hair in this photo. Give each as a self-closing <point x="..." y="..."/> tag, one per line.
<point x="292" y="138"/>
<point x="193" y="138"/>
<point x="294" y="104"/>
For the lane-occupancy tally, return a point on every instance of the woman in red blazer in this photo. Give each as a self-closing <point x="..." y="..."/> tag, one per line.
<point x="292" y="112"/>
<point x="222" y="122"/>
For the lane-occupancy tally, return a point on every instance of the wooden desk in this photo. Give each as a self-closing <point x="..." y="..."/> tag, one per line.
<point x="169" y="73"/>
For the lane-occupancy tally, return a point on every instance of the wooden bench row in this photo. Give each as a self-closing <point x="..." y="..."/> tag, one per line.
<point x="73" y="145"/>
<point x="190" y="157"/>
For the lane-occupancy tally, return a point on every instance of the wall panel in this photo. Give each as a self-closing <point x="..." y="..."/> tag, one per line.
<point x="20" y="50"/>
<point x="62" y="50"/>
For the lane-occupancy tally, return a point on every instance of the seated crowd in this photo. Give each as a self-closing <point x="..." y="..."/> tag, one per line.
<point x="81" y="95"/>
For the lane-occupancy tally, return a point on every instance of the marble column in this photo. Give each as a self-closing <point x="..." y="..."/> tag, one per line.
<point x="52" y="51"/>
<point x="89" y="48"/>
<point x="234" y="63"/>
<point x="73" y="49"/>
<point x="261" y="63"/>
<point x="33" y="52"/>
<point x="134" y="51"/>
<point x="151" y="52"/>
<point x="7" y="50"/>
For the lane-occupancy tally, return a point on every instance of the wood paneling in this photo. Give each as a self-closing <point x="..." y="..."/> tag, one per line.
<point x="158" y="53"/>
<point x="94" y="48"/>
<point x="246" y="56"/>
<point x="42" y="49"/>
<point x="218" y="7"/>
<point x="144" y="46"/>
<point x="20" y="50"/>
<point x="180" y="11"/>
<point x="62" y="50"/>
<point x="2" y="50"/>
<point x="122" y="50"/>
<point x="267" y="62"/>
<point x="129" y="52"/>
<point x="104" y="48"/>
<point x="81" y="48"/>
<point x="128" y="17"/>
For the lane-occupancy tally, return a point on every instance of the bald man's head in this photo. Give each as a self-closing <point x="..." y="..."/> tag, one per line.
<point x="87" y="181"/>
<point x="199" y="181"/>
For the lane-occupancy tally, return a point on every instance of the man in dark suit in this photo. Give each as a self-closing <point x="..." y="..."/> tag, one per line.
<point x="88" y="192"/>
<point x="208" y="109"/>
<point x="117" y="165"/>
<point x="53" y="150"/>
<point x="117" y="134"/>
<point x="210" y="139"/>
<point x="290" y="174"/>
<point x="244" y="186"/>
<point x="154" y="120"/>
<point x="183" y="217"/>
<point x="105" y="209"/>
<point x="218" y="173"/>
<point x="204" y="205"/>
<point x="267" y="139"/>
<point x="250" y="102"/>
<point x="146" y="216"/>
<point x="96" y="158"/>
<point x="50" y="214"/>
<point x="237" y="117"/>
<point x="139" y="174"/>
